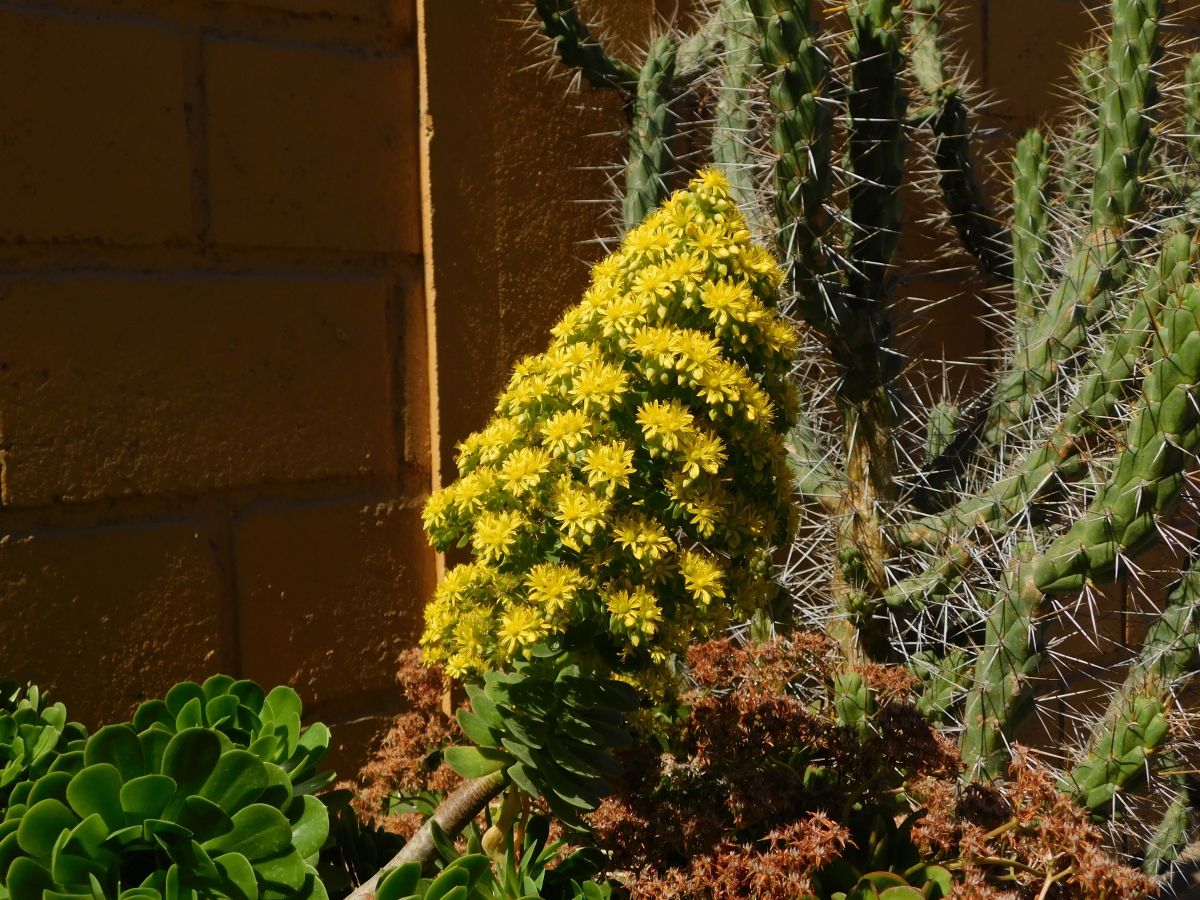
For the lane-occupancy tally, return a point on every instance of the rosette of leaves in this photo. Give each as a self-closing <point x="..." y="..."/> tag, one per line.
<point x="33" y="735"/>
<point x="268" y="725"/>
<point x="882" y="863"/>
<point x="151" y="814"/>
<point x="549" y="731"/>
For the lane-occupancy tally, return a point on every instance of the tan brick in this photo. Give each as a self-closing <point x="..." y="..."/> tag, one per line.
<point x="400" y="13"/>
<point x="328" y="596"/>
<point x="312" y="148"/>
<point x="123" y="386"/>
<point x="93" y="131"/>
<point x="1030" y="44"/>
<point x="111" y="617"/>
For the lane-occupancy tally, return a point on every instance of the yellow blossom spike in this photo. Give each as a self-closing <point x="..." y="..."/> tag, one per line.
<point x="634" y="479"/>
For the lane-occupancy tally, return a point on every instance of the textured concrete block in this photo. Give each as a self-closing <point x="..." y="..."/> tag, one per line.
<point x="179" y="386"/>
<point x="401" y="14"/>
<point x="312" y="148"/>
<point x="111" y="617"/>
<point x="93" y="131"/>
<point x="328" y="596"/>
<point x="1029" y="52"/>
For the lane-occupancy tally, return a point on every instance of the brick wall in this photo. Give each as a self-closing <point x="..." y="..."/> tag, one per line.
<point x="213" y="389"/>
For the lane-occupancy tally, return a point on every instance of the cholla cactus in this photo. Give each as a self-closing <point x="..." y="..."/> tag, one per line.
<point x="970" y="536"/>
<point x="624" y="499"/>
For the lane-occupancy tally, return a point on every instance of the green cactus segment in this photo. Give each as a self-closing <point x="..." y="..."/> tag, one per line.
<point x="651" y="126"/>
<point x="1059" y="332"/>
<point x="1122" y="151"/>
<point x="877" y="147"/>
<point x="1031" y="225"/>
<point x="931" y="586"/>
<point x="174" y="806"/>
<point x="1125" y="140"/>
<point x="733" y="124"/>
<point x="1135" y="725"/>
<point x="1191" y="107"/>
<point x="702" y="51"/>
<point x="802" y="139"/>
<point x="1120" y="758"/>
<point x="1170" y="837"/>
<point x="1108" y="381"/>
<point x="550" y="729"/>
<point x="1163" y="435"/>
<point x="575" y="46"/>
<point x="1002" y="693"/>
<point x="980" y="232"/>
<point x="815" y="476"/>
<point x="1075" y="176"/>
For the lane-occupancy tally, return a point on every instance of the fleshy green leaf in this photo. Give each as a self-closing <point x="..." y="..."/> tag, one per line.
<point x="282" y="872"/>
<point x="97" y="790"/>
<point x="52" y="784"/>
<point x="41" y="826"/>
<point x="237" y="876"/>
<point x="27" y="879"/>
<point x="146" y="797"/>
<point x="179" y="696"/>
<point x="190" y="759"/>
<point x="399" y="883"/>
<point x="475" y="762"/>
<point x="259" y="832"/>
<point x="118" y="746"/>
<point x="216" y="686"/>
<point x="238" y="780"/>
<point x="310" y="825"/>
<point x="150" y="712"/>
<point x="204" y="819"/>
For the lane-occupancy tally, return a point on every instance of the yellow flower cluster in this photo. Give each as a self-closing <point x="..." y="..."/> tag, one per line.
<point x="626" y="496"/>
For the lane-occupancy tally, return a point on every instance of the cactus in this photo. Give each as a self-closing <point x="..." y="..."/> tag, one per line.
<point x="968" y="536"/>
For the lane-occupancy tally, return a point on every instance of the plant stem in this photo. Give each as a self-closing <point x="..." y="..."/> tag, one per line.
<point x="452" y="817"/>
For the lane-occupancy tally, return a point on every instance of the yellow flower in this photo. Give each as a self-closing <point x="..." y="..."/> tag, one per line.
<point x="615" y="440"/>
<point x="436" y="507"/>
<point x="637" y="614"/>
<point x="496" y="439"/>
<point x="698" y="352"/>
<point x="622" y="316"/>
<point x="712" y="181"/>
<point x="496" y="533"/>
<point x="520" y="627"/>
<point x="579" y="511"/>
<point x="554" y="587"/>
<point x="665" y="423"/>
<point x="726" y="301"/>
<point x="645" y="537"/>
<point x="471" y="490"/>
<point x="522" y="472"/>
<point x="599" y="385"/>
<point x="702" y="451"/>
<point x="566" y="431"/>
<point x="609" y="465"/>
<point x="702" y="576"/>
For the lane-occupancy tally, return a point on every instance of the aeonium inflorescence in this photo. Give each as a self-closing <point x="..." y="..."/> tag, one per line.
<point x="625" y="497"/>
